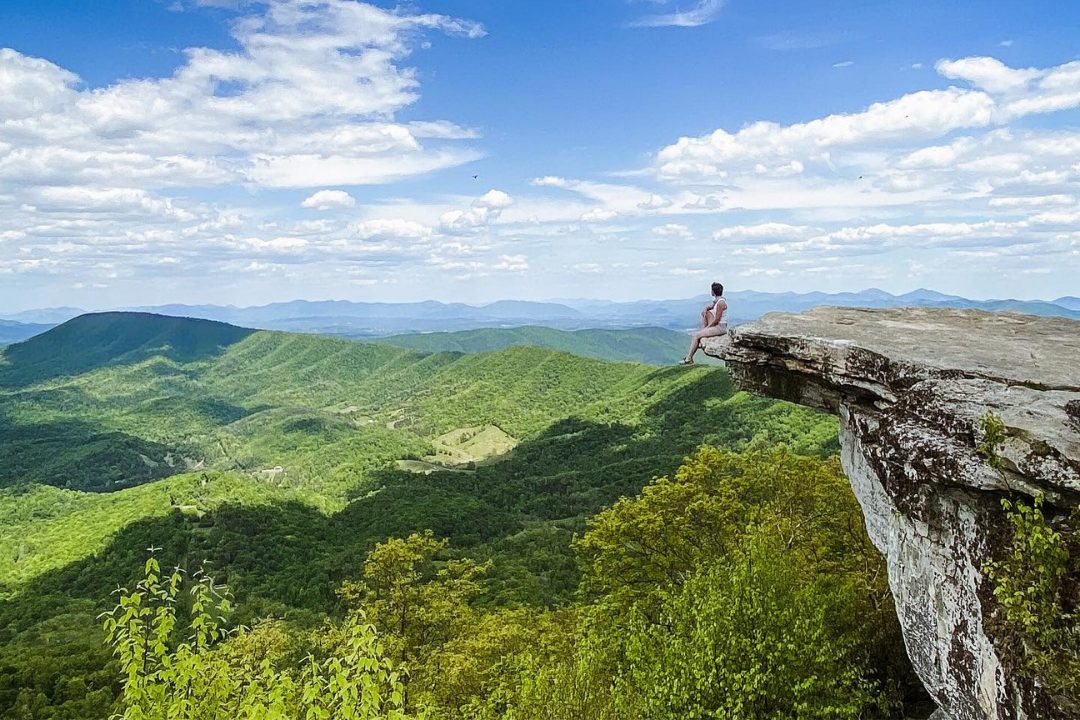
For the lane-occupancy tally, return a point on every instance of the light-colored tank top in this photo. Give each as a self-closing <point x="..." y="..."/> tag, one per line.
<point x="716" y="303"/>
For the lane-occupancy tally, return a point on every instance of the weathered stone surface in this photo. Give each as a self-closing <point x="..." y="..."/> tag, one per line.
<point x="910" y="387"/>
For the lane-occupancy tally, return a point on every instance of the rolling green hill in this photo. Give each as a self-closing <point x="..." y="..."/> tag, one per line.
<point x="278" y="458"/>
<point x="92" y="341"/>
<point x="655" y="346"/>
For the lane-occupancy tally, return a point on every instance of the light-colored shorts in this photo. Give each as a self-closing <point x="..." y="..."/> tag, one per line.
<point x="713" y="330"/>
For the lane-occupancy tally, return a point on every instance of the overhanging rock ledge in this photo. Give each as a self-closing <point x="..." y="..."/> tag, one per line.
<point x="910" y="387"/>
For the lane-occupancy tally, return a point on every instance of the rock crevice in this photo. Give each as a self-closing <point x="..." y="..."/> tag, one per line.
<point x="911" y="388"/>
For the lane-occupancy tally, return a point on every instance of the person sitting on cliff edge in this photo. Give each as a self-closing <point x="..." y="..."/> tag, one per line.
<point x="712" y="322"/>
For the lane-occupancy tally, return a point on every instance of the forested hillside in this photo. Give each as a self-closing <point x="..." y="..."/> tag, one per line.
<point x="655" y="346"/>
<point x="281" y="461"/>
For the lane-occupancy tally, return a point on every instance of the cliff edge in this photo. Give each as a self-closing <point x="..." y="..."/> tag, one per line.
<point x="912" y="387"/>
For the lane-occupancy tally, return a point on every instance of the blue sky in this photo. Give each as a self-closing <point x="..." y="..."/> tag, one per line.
<point x="246" y="152"/>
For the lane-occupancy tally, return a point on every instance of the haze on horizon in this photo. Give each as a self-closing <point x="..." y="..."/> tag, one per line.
<point x="246" y="152"/>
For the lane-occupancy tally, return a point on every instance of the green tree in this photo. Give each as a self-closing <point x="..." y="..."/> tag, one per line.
<point x="559" y="672"/>
<point x="747" y="638"/>
<point x="640" y="556"/>
<point x="208" y="676"/>
<point x="1036" y="584"/>
<point x="419" y="599"/>
<point x="664" y="535"/>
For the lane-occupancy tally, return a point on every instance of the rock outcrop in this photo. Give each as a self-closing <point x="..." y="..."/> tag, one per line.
<point x="911" y="387"/>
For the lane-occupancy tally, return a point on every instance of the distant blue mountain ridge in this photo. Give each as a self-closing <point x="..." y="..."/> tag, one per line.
<point x="376" y="319"/>
<point x="13" y="332"/>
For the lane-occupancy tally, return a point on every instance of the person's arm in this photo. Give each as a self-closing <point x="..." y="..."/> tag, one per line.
<point x="721" y="308"/>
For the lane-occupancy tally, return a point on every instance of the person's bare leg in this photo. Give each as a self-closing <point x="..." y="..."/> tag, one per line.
<point x="706" y="319"/>
<point x="694" y="345"/>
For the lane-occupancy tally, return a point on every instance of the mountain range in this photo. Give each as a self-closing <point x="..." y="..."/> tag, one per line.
<point x="651" y="345"/>
<point x="374" y="319"/>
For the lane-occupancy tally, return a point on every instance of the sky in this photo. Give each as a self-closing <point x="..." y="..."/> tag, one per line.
<point x="243" y="152"/>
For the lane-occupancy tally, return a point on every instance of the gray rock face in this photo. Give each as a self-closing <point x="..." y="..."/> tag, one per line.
<point x="910" y="387"/>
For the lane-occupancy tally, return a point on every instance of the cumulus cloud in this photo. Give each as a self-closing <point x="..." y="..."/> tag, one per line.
<point x="123" y="202"/>
<point x="329" y="200"/>
<point x="97" y="182"/>
<point x="948" y="176"/>
<point x="772" y="230"/>
<point x="307" y="98"/>
<point x="988" y="73"/>
<point x="93" y="183"/>
<point x="483" y="211"/>
<point x="599" y="215"/>
<point x="997" y="95"/>
<point x="929" y="113"/>
<point x="393" y="228"/>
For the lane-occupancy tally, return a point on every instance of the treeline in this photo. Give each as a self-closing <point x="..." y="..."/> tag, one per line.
<point x="743" y="586"/>
<point x="285" y="549"/>
<point x="653" y="345"/>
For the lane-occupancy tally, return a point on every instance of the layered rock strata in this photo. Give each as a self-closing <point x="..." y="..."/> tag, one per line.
<point x="912" y="388"/>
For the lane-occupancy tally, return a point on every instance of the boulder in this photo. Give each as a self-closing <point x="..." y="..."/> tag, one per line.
<point x="911" y="388"/>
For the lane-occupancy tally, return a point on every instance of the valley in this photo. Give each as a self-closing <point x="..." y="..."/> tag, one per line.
<point x="282" y="460"/>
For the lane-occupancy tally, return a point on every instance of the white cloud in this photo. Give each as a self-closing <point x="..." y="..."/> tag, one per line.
<point x="483" y="211"/>
<point x="550" y="181"/>
<point x="609" y="198"/>
<point x="599" y="215"/>
<point x="928" y="113"/>
<point x="494" y="200"/>
<point x="703" y="13"/>
<point x="988" y="73"/>
<point x="30" y="87"/>
<point x="772" y="230"/>
<point x="394" y="228"/>
<point x="106" y="201"/>
<point x="307" y="98"/>
<point x="761" y="272"/>
<point x="655" y="202"/>
<point x="468" y="269"/>
<point x="1032" y="201"/>
<point x="94" y="179"/>
<point x="329" y="200"/>
<point x="672" y="230"/>
<point x="826" y="145"/>
<point x="927" y="187"/>
<point x="844" y="64"/>
<point x="1023" y="91"/>
<point x="511" y="263"/>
